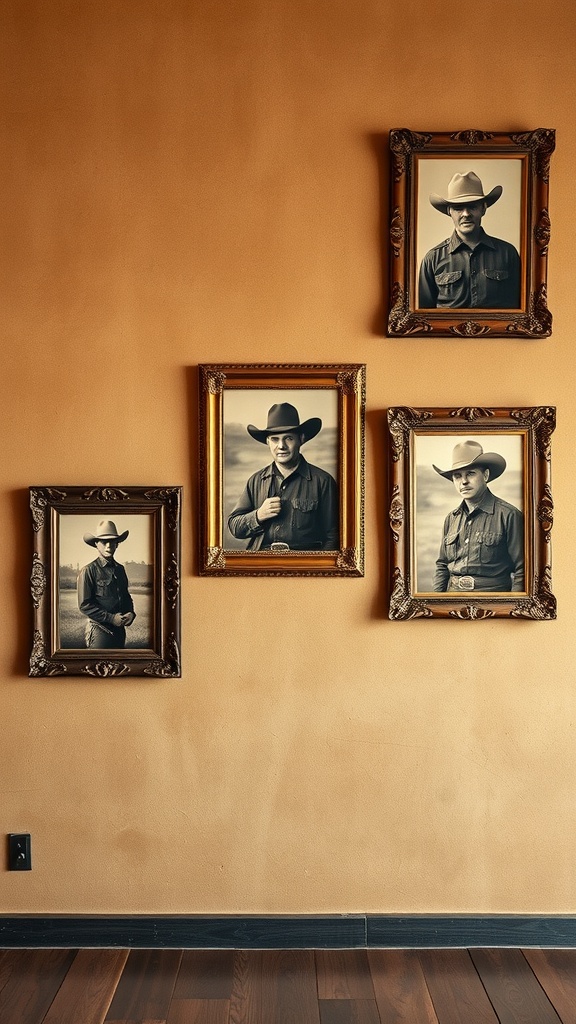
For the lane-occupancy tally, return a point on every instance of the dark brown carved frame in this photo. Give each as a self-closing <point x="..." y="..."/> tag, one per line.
<point x="533" y="320"/>
<point x="349" y="381"/>
<point x="537" y="425"/>
<point x="163" y="659"/>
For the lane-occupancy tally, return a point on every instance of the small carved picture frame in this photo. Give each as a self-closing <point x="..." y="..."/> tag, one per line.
<point x="471" y="513"/>
<point x="105" y="581"/>
<point x="469" y="233"/>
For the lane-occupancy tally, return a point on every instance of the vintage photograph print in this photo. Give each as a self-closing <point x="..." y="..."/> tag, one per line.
<point x="282" y="469"/>
<point x="106" y="581"/>
<point x="469" y="233"/>
<point x="471" y="513"/>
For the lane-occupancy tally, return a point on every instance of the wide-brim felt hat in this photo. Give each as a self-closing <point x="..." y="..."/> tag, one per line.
<point x="463" y="189"/>
<point x="282" y="417"/>
<point x="106" y="530"/>
<point x="470" y="453"/>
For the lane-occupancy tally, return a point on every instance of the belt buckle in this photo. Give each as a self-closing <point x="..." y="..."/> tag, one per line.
<point x="466" y="583"/>
<point x="279" y="546"/>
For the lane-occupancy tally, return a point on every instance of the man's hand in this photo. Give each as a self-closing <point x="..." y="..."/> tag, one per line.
<point x="269" y="509"/>
<point x="125" y="619"/>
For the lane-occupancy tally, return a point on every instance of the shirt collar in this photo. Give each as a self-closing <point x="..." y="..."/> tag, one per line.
<point x="104" y="563"/>
<point x="455" y="242"/>
<point x="302" y="469"/>
<point x="486" y="505"/>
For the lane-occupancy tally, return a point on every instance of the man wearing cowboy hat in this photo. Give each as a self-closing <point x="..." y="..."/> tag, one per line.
<point x="103" y="595"/>
<point x="290" y="504"/>
<point x="470" y="269"/>
<point x="483" y="538"/>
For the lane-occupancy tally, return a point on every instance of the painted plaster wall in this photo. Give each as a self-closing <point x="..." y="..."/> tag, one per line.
<point x="200" y="182"/>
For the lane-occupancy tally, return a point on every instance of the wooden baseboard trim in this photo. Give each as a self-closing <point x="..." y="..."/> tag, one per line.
<point x="463" y="931"/>
<point x="330" y="931"/>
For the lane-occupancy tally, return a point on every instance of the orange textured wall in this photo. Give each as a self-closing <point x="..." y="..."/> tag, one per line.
<point x="200" y="182"/>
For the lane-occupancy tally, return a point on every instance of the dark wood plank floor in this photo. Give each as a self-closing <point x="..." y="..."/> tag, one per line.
<point x="169" y="986"/>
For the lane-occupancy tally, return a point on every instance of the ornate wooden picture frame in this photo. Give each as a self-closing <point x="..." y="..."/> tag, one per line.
<point x="256" y="519"/>
<point x="439" y="284"/>
<point x="105" y="581"/>
<point x="460" y="555"/>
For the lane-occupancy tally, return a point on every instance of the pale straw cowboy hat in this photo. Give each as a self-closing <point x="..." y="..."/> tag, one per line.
<point x="468" y="454"/>
<point x="465" y="188"/>
<point x="106" y="530"/>
<point x="283" y="417"/>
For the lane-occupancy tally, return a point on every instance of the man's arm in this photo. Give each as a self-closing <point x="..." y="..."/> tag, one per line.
<point x="127" y="604"/>
<point x="330" y="514"/>
<point x="87" y="600"/>
<point x="515" y="539"/>
<point x="243" y="521"/>
<point x="442" y="572"/>
<point x="514" y="271"/>
<point x="427" y="288"/>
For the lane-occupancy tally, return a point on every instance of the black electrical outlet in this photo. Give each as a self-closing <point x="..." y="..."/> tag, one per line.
<point x="19" y="852"/>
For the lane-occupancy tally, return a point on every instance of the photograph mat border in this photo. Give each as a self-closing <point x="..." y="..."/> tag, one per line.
<point x="328" y="411"/>
<point x="57" y="516"/>
<point x="419" y="159"/>
<point x="527" y="506"/>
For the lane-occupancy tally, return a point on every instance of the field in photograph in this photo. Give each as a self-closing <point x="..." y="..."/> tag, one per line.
<point x="73" y="623"/>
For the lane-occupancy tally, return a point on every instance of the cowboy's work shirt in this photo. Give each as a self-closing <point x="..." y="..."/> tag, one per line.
<point x="486" y="545"/>
<point x="454" y="274"/>
<point x="102" y="592"/>
<point x="308" y="520"/>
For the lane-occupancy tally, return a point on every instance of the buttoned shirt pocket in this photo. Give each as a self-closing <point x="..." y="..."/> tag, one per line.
<point x="451" y="542"/>
<point x="496" y="284"/>
<point x="304" y="505"/>
<point x="304" y="518"/>
<point x="107" y="591"/>
<point x="489" y="542"/>
<point x="497" y="275"/>
<point x="448" y="283"/>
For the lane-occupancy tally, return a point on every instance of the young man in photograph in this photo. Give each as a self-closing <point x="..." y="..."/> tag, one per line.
<point x="103" y="595"/>
<point x="482" y="544"/>
<point x="290" y="504"/>
<point x="469" y="269"/>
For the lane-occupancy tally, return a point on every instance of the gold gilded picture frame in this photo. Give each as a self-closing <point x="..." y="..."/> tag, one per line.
<point x="432" y="573"/>
<point x="236" y="403"/>
<point x="438" y="285"/>
<point x="74" y="629"/>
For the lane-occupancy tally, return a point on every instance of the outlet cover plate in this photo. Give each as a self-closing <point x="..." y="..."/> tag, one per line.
<point x="19" y="851"/>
